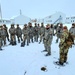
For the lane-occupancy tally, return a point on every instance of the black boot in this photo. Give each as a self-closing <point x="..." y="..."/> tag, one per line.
<point x="8" y="39"/>
<point x="1" y="49"/>
<point x="32" y="41"/>
<point x="15" y="43"/>
<point x="23" y="44"/>
<point x="48" y="54"/>
<point x="10" y="43"/>
<point x="61" y="63"/>
<point x="18" y="40"/>
<point x="39" y="41"/>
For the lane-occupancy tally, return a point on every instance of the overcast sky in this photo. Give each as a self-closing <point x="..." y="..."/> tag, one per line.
<point x="36" y="8"/>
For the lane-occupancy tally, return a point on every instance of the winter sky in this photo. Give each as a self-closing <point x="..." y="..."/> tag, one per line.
<point x="36" y="8"/>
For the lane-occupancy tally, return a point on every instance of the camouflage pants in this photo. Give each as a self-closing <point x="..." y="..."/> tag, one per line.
<point x="12" y="37"/>
<point x="63" y="54"/>
<point x="47" y="45"/>
<point x="51" y="38"/>
<point x="31" y="38"/>
<point x="7" y="36"/>
<point x="58" y="37"/>
<point x="4" y="39"/>
<point x="36" y="38"/>
<point x="26" y="38"/>
<point x="0" y="42"/>
<point x="19" y="37"/>
<point x="41" y="37"/>
<point x="38" y="34"/>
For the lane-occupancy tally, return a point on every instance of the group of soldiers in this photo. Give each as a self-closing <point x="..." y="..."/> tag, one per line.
<point x="30" y="33"/>
<point x="27" y="34"/>
<point x="24" y="34"/>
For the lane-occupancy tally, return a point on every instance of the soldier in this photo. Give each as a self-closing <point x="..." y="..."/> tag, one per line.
<point x="63" y="46"/>
<point x="6" y="31"/>
<point x="3" y="35"/>
<point x="35" y="33"/>
<point x="55" y="26"/>
<point x="19" y="33"/>
<point x="1" y="38"/>
<point x="31" y="32"/>
<point x="47" y="40"/>
<point x="38" y="30"/>
<point x="25" y="33"/>
<point x="59" y="31"/>
<point x="42" y="31"/>
<point x="12" y="32"/>
<point x="52" y="32"/>
<point x="72" y="30"/>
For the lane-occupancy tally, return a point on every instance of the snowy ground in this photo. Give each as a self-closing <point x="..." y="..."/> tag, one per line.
<point x="15" y="60"/>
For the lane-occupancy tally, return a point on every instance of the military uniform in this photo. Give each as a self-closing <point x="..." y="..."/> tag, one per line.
<point x="42" y="32"/>
<point x="51" y="32"/>
<point x="31" y="32"/>
<point x="38" y="30"/>
<point x="0" y="39"/>
<point x="3" y="35"/>
<point x="0" y="42"/>
<point x="35" y="33"/>
<point x="47" y="40"/>
<point x="63" y="46"/>
<point x="25" y="33"/>
<point x="59" y="32"/>
<point x="19" y="33"/>
<point x="72" y="30"/>
<point x="6" y="32"/>
<point x="12" y="32"/>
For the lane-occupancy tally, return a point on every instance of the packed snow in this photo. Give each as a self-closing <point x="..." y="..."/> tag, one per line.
<point x="28" y="60"/>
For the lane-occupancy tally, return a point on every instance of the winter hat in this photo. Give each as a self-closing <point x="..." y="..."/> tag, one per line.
<point x="65" y="27"/>
<point x="47" y="26"/>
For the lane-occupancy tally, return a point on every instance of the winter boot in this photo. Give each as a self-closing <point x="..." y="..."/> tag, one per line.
<point x="18" y="40"/>
<point x="48" y="54"/>
<point x="32" y="41"/>
<point x="8" y="39"/>
<point x="0" y="48"/>
<point x="61" y="63"/>
<point x="39" y="41"/>
<point x="23" y="44"/>
<point x="27" y="44"/>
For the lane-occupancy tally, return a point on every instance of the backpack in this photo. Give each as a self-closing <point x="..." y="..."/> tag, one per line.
<point x="70" y="40"/>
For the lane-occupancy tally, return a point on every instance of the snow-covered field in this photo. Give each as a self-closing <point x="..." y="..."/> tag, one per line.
<point x="16" y="60"/>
